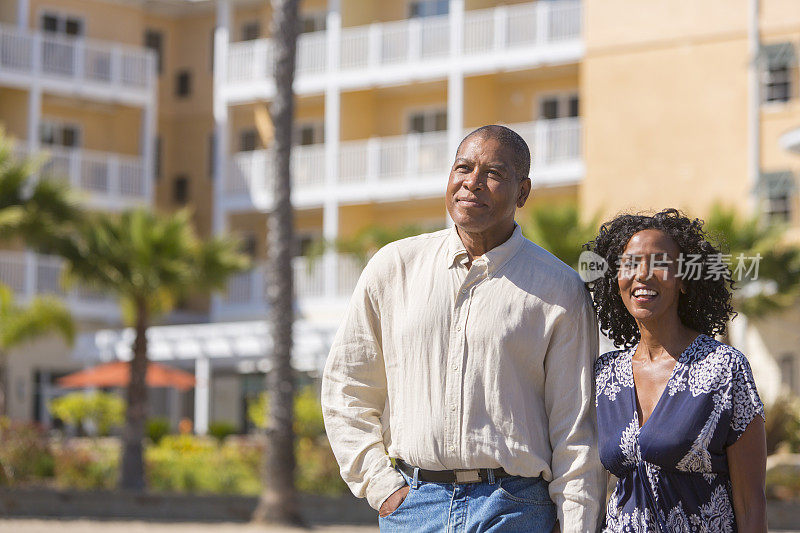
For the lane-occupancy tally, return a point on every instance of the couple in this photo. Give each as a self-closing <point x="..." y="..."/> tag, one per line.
<point x="459" y="394"/>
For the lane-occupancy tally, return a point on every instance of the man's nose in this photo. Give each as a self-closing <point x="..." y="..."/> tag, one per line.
<point x="473" y="180"/>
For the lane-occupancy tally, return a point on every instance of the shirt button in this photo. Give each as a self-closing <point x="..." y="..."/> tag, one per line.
<point x="452" y="407"/>
<point x="463" y="291"/>
<point x="451" y="448"/>
<point x="458" y="328"/>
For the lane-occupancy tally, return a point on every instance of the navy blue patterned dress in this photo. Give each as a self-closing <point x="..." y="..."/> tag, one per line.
<point x="673" y="471"/>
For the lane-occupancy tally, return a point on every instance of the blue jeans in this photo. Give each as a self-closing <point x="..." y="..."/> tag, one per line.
<point x="509" y="504"/>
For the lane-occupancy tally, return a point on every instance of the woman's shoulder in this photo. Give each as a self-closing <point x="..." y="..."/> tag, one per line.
<point x="609" y="359"/>
<point x="714" y="364"/>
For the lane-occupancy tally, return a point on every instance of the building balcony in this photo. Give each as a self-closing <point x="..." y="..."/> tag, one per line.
<point x="246" y="296"/>
<point x="391" y="53"/>
<point x="76" y="66"/>
<point x="397" y="168"/>
<point x="29" y="274"/>
<point x="105" y="181"/>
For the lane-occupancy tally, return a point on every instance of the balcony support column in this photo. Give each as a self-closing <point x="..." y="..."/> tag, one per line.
<point x="23" y="9"/>
<point x="330" y="210"/>
<point x="455" y="82"/>
<point x="202" y="376"/>
<point x="148" y="144"/>
<point x="220" y="110"/>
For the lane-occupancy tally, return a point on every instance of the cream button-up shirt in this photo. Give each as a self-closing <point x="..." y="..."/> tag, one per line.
<point x="447" y="368"/>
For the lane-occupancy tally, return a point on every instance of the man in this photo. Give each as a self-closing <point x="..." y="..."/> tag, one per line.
<point x="466" y="355"/>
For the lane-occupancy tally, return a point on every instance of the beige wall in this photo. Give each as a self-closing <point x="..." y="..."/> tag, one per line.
<point x="665" y="125"/>
<point x="14" y="112"/>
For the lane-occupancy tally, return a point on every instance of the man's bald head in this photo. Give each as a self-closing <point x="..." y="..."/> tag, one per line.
<point x="508" y="138"/>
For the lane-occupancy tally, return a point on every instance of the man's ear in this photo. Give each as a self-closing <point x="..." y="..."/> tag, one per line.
<point x="524" y="192"/>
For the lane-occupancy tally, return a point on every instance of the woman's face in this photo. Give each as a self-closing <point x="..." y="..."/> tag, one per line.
<point x="647" y="276"/>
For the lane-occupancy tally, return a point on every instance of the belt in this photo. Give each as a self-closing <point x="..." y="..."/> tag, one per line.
<point x="477" y="475"/>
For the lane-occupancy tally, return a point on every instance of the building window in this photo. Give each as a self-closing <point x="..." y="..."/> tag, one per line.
<point x="427" y="120"/>
<point x="309" y="133"/>
<point x="52" y="133"/>
<point x="248" y="140"/>
<point x="249" y="244"/>
<point x="779" y="63"/>
<point x="777" y="190"/>
<point x="154" y="40"/>
<point x="212" y="153"/>
<point x="558" y="106"/>
<point x="428" y="8"/>
<point x="251" y="30"/>
<point x="183" y="84"/>
<point x="68" y="25"/>
<point x="313" y="21"/>
<point x="180" y="190"/>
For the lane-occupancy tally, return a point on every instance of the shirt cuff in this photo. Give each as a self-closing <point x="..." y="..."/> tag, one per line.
<point x="574" y="517"/>
<point x="383" y="485"/>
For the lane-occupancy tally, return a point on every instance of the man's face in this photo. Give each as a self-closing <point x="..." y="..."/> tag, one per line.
<point x="483" y="190"/>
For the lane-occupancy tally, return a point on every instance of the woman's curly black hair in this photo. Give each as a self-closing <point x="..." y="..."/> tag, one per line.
<point x="706" y="305"/>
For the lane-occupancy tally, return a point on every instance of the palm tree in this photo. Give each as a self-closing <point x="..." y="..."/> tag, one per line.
<point x="278" y="501"/>
<point x="21" y="324"/>
<point x="149" y="261"/>
<point x="559" y="230"/>
<point x="778" y="285"/>
<point x="41" y="211"/>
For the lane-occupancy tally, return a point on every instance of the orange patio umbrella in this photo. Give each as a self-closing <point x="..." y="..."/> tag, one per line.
<point x="117" y="374"/>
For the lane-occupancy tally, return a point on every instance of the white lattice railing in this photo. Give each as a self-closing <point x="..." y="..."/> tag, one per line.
<point x="403" y="158"/>
<point x="29" y="274"/>
<point x="99" y="175"/>
<point x="494" y="30"/>
<point x="249" y="288"/>
<point x="76" y="58"/>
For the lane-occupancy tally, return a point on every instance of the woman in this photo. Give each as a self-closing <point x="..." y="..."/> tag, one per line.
<point x="680" y="420"/>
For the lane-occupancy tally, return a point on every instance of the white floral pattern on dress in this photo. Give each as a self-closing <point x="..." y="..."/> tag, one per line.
<point x="709" y="376"/>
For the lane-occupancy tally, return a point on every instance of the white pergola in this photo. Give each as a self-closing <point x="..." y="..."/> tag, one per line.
<point x="245" y="346"/>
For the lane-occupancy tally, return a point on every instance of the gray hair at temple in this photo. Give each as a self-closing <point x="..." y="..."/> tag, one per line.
<point x="510" y="138"/>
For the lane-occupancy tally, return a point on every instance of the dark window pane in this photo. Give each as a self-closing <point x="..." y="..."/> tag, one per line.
<point x="74" y="27"/>
<point x="306" y="135"/>
<point x="183" y="83"/>
<point x="249" y="245"/>
<point x="49" y="23"/>
<point x="248" y="140"/>
<point x="154" y="40"/>
<point x="573" y="107"/>
<point x="69" y="137"/>
<point x="549" y="108"/>
<point x="180" y="192"/>
<point x="440" y="121"/>
<point x="251" y="31"/>
<point x="47" y="134"/>
<point x="417" y="123"/>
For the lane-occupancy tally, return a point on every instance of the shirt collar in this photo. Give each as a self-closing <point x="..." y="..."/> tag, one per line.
<point x="494" y="258"/>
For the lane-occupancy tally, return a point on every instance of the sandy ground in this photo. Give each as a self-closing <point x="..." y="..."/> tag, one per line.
<point x="99" y="526"/>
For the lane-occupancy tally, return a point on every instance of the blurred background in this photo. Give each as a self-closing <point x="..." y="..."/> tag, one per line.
<point x="163" y="105"/>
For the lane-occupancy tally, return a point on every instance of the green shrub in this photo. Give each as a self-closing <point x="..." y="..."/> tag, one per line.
<point x="307" y="413"/>
<point x="102" y="409"/>
<point x="220" y="430"/>
<point x="157" y="428"/>
<point x="25" y="454"/>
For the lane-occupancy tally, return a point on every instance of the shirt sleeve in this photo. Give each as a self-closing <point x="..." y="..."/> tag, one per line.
<point x="578" y="485"/>
<point x="745" y="401"/>
<point x="354" y="395"/>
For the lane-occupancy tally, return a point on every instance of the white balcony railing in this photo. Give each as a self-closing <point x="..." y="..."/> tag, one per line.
<point x="405" y="159"/>
<point x="496" y="30"/>
<point x="77" y="59"/>
<point x="248" y="289"/>
<point x="29" y="274"/>
<point x="106" y="180"/>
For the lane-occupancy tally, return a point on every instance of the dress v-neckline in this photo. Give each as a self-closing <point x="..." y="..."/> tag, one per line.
<point x="680" y="359"/>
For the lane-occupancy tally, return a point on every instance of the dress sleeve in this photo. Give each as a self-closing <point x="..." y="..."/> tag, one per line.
<point x="745" y="401"/>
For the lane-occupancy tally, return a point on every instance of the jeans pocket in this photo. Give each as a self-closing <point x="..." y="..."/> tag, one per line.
<point x="403" y="504"/>
<point x="531" y="490"/>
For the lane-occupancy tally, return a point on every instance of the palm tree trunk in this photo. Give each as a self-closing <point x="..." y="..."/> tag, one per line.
<point x="132" y="464"/>
<point x="278" y="502"/>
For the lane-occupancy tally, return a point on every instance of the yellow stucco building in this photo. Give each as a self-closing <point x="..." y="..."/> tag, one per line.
<point x="626" y="106"/>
